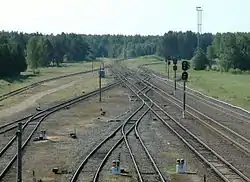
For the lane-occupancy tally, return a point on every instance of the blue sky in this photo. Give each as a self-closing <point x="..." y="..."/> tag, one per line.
<point x="123" y="16"/>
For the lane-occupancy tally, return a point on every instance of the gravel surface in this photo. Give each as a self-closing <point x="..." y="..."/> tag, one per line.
<point x="145" y="166"/>
<point x="155" y="142"/>
<point x="11" y="151"/>
<point x="64" y="152"/>
<point x="125" y="163"/>
<point x="179" y="114"/>
<point x="165" y="147"/>
<point x="228" y="151"/>
<point x="93" y="163"/>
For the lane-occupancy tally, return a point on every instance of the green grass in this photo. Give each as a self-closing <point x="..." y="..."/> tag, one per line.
<point x="27" y="77"/>
<point x="134" y="63"/>
<point x="225" y="86"/>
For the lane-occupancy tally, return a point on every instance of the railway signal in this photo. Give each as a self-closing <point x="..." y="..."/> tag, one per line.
<point x="185" y="65"/>
<point x="184" y="77"/>
<point x="175" y="61"/>
<point x="175" y="69"/>
<point x="100" y="84"/>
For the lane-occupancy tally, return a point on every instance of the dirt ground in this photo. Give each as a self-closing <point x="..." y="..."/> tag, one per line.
<point x="62" y="151"/>
<point x="50" y="87"/>
<point x="47" y="94"/>
<point x="31" y="100"/>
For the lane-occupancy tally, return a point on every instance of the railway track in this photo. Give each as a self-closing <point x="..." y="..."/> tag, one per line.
<point x="236" y="113"/>
<point x="13" y="124"/>
<point x="144" y="163"/>
<point x="233" y="113"/>
<point x="221" y="167"/>
<point x="240" y="141"/>
<point x="8" y="152"/>
<point x="110" y="143"/>
<point x="22" y="89"/>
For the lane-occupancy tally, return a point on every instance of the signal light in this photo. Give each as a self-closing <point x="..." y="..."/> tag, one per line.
<point x="174" y="67"/>
<point x="174" y="61"/>
<point x="185" y="65"/>
<point x="184" y="76"/>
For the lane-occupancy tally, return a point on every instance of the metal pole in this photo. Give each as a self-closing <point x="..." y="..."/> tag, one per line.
<point x="199" y="26"/>
<point x="174" y="81"/>
<point x="9" y="87"/>
<point x="205" y="178"/>
<point x="92" y="66"/>
<point x="100" y="86"/>
<point x="168" y="70"/>
<point x="184" y="99"/>
<point x="19" y="152"/>
<point x="166" y="67"/>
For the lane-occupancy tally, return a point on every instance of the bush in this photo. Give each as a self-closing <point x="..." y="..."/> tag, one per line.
<point x="215" y="68"/>
<point x="235" y="71"/>
<point x="36" y="72"/>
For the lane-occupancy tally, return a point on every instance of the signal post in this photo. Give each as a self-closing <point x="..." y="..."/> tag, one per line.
<point x="184" y="77"/>
<point x="167" y="60"/>
<point x="175" y="69"/>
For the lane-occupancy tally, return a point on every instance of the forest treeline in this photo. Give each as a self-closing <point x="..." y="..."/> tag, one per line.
<point x="21" y="50"/>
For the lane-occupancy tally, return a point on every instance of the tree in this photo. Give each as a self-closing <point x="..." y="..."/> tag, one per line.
<point x="231" y="49"/>
<point x="199" y="61"/>
<point x="210" y="55"/>
<point x="32" y="54"/>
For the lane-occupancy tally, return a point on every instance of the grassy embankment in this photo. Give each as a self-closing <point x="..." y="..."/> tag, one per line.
<point x="26" y="78"/>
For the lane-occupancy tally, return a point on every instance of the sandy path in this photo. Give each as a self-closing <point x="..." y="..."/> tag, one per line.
<point x="31" y="100"/>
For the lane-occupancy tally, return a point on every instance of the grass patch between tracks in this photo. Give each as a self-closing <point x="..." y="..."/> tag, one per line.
<point x="224" y="86"/>
<point x="27" y="77"/>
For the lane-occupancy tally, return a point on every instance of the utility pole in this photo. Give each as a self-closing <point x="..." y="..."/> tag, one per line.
<point x="100" y="84"/>
<point x="199" y="26"/>
<point x="19" y="152"/>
